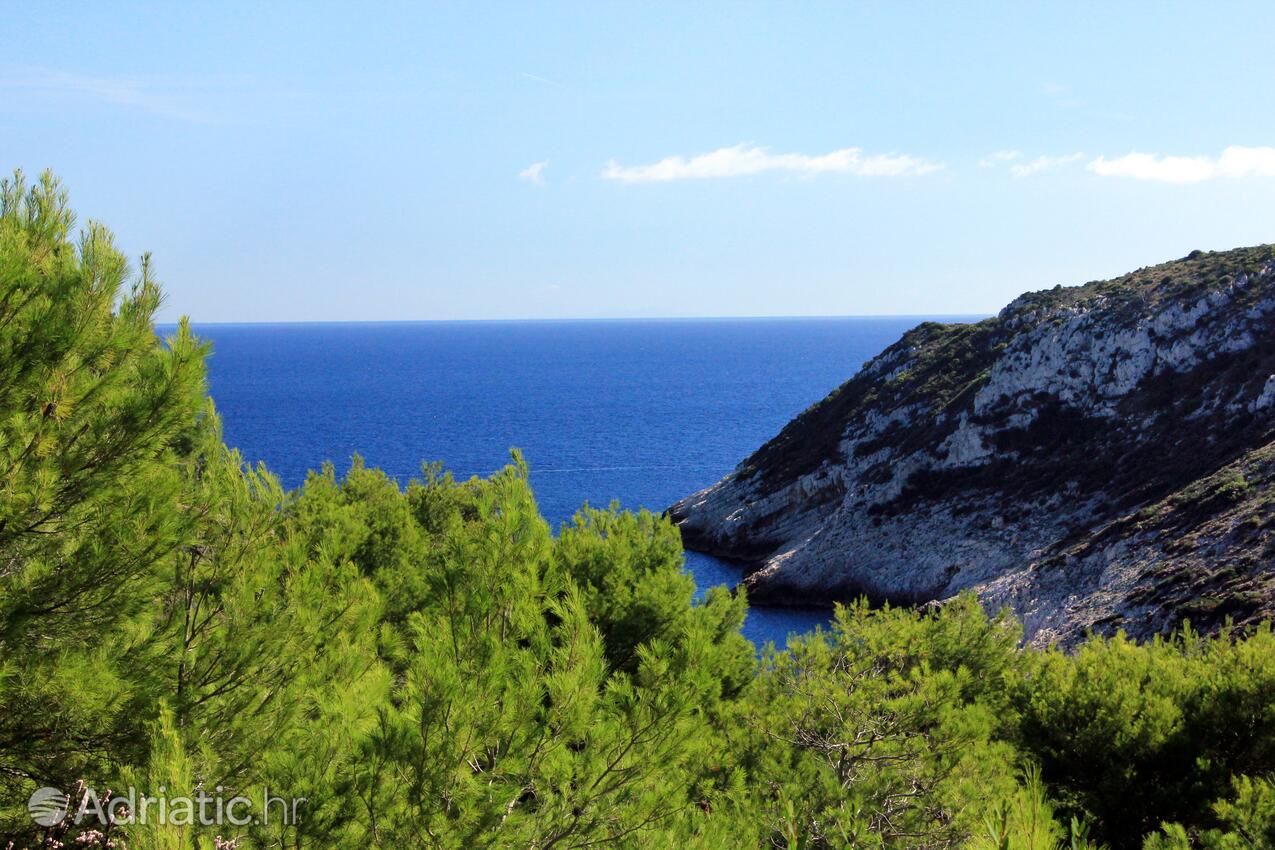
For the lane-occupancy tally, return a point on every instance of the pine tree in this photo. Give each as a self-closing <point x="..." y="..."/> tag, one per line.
<point x="95" y="412"/>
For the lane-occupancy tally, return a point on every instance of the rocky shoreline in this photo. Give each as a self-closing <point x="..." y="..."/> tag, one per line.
<point x="1094" y="457"/>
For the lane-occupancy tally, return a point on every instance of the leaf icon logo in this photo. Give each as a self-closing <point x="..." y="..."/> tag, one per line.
<point x="48" y="806"/>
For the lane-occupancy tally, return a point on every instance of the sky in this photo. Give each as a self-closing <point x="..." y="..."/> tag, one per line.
<point x="320" y="162"/>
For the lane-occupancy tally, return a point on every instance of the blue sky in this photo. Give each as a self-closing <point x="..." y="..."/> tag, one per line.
<point x="322" y="162"/>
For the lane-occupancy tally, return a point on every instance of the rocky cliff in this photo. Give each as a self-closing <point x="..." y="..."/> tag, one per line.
<point x="1095" y="457"/>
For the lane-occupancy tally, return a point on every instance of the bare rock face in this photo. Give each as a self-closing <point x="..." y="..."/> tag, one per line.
<point x="1095" y="457"/>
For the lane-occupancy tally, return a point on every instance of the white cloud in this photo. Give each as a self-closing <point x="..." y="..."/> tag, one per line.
<point x="1235" y="161"/>
<point x="159" y="96"/>
<point x="992" y="160"/>
<point x="534" y="173"/>
<point x="742" y="160"/>
<point x="1044" y="163"/>
<point x="1019" y="168"/>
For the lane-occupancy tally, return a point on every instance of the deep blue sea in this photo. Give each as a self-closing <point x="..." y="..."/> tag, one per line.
<point x="641" y="412"/>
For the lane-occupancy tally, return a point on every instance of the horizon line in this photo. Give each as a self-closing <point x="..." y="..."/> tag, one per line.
<point x="566" y="319"/>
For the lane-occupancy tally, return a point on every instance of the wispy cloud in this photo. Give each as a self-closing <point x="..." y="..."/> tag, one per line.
<point x="1044" y="163"/>
<point x="1236" y="161"/>
<point x="538" y="78"/>
<point x="534" y="173"/>
<point x="742" y="160"/>
<point x="1020" y="167"/>
<point x="994" y="159"/>
<point x="156" y="96"/>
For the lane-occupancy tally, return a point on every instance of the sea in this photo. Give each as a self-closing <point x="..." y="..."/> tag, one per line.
<point x="639" y="412"/>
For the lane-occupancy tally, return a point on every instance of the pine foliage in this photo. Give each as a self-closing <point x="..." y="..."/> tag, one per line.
<point x="434" y="666"/>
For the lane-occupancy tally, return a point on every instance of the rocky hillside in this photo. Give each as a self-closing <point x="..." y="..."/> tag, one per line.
<point x="1096" y="457"/>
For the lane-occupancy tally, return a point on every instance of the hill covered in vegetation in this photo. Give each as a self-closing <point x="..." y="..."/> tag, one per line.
<point x="431" y="667"/>
<point x="1095" y="457"/>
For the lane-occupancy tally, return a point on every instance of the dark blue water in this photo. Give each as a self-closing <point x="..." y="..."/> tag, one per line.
<point x="642" y="412"/>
